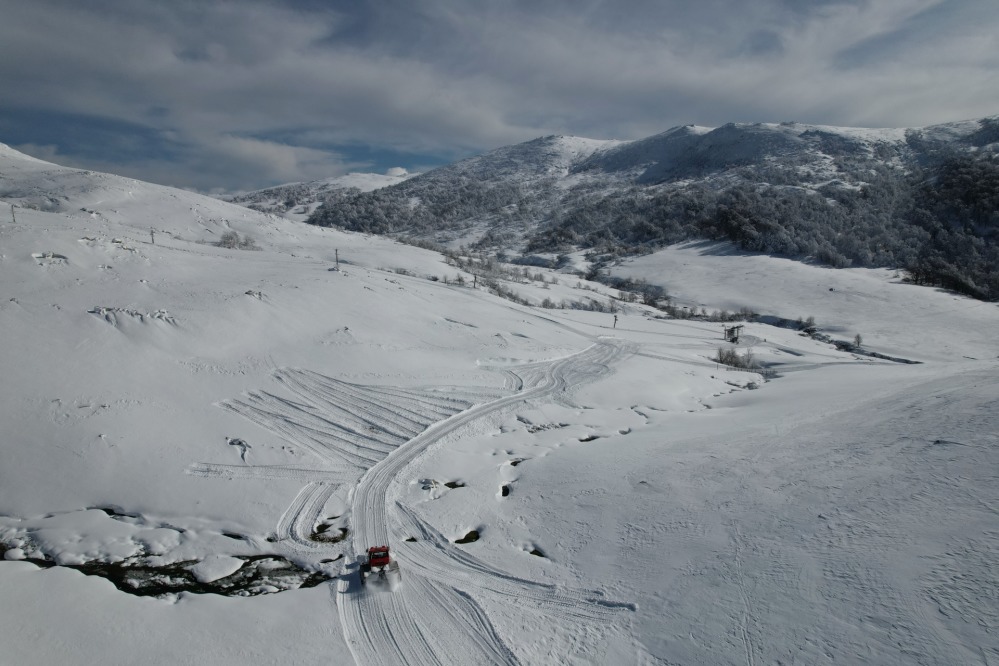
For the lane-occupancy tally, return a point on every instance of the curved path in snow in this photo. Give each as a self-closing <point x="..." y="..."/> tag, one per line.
<point x="433" y="617"/>
<point x="368" y="509"/>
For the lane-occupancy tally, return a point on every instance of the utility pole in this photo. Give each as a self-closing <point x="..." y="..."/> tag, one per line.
<point x="12" y="216"/>
<point x="337" y="259"/>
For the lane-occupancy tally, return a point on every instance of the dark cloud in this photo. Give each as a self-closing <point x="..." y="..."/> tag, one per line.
<point x="240" y="94"/>
<point x="81" y="134"/>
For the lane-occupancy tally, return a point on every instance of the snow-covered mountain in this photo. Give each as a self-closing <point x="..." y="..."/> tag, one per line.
<point x="297" y="201"/>
<point x="922" y="199"/>
<point x="199" y="441"/>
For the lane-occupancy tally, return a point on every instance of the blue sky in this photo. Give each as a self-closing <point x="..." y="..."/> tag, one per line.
<point x="235" y="95"/>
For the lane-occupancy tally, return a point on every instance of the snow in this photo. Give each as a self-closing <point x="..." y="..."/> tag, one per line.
<point x="16" y="160"/>
<point x="951" y="131"/>
<point x="698" y="129"/>
<point x="61" y="616"/>
<point x="577" y="147"/>
<point x="297" y="201"/>
<point x="893" y="317"/>
<point x="866" y="134"/>
<point x="366" y="182"/>
<point x="192" y="405"/>
<point x="214" y="567"/>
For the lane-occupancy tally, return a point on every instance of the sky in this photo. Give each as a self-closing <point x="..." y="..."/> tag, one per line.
<point x="220" y="96"/>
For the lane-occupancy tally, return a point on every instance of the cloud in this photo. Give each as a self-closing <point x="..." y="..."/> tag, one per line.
<point x="240" y="94"/>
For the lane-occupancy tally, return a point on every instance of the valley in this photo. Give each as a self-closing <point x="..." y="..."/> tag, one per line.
<point x="557" y="485"/>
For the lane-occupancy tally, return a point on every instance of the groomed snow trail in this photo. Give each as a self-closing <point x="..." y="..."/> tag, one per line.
<point x="369" y="506"/>
<point x="433" y="618"/>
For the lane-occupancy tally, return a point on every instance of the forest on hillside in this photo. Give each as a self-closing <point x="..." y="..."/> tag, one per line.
<point x="938" y="221"/>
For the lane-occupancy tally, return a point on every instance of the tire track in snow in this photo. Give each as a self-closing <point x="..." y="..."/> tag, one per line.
<point x="379" y="630"/>
<point x="287" y="423"/>
<point x="463" y="614"/>
<point x="392" y="632"/>
<point x="347" y="423"/>
<point x="434" y="556"/>
<point x="360" y="630"/>
<point x="433" y="618"/>
<point x="338" y="474"/>
<point x="349" y="402"/>
<point x="404" y="411"/>
<point x="299" y="519"/>
<point x="369" y="496"/>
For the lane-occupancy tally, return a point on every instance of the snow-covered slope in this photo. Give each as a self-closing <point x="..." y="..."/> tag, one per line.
<point x="297" y="201"/>
<point x="107" y="199"/>
<point x="549" y="156"/>
<point x="917" y="198"/>
<point x="559" y="486"/>
<point x="891" y="315"/>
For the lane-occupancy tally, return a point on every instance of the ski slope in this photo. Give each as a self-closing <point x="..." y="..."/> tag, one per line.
<point x="175" y="403"/>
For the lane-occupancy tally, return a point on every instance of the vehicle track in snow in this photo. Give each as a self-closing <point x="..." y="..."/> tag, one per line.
<point x="462" y="615"/>
<point x="369" y="505"/>
<point x="392" y="628"/>
<point x="344" y="423"/>
<point x="434" y="556"/>
<point x="434" y="618"/>
<point x="299" y="520"/>
<point x="340" y="474"/>
<point x="380" y="629"/>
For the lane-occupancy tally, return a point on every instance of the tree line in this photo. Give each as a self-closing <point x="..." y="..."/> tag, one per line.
<point x="937" y="220"/>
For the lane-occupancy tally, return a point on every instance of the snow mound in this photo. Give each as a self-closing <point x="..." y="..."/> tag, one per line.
<point x="215" y="567"/>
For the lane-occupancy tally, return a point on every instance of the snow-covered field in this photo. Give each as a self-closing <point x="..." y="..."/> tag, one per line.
<point x="174" y="405"/>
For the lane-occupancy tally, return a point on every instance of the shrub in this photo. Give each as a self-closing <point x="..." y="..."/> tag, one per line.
<point x="229" y="239"/>
<point x="731" y="357"/>
<point x="232" y="241"/>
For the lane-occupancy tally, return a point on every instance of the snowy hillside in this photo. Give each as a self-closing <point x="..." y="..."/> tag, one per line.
<point x="684" y="152"/>
<point x="919" y="199"/>
<point x="297" y="201"/>
<point x="201" y="442"/>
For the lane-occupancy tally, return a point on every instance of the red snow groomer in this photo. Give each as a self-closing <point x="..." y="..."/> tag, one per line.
<point x="378" y="562"/>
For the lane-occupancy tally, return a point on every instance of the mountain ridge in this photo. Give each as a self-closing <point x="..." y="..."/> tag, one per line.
<point x="838" y="196"/>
